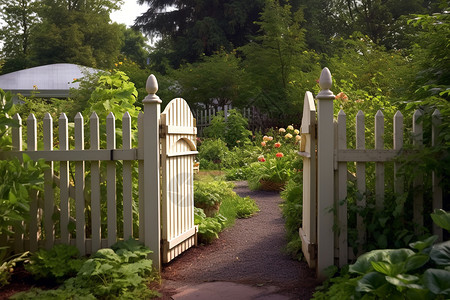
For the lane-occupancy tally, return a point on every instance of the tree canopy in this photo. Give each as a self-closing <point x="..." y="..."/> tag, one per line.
<point x="199" y="27"/>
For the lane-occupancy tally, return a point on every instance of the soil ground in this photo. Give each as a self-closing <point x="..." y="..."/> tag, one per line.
<point x="250" y="253"/>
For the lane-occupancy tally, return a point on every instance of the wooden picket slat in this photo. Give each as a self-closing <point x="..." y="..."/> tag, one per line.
<point x="79" y="187"/>
<point x="361" y="176"/>
<point x="342" y="190"/>
<point x="418" y="179"/>
<point x="17" y="144"/>
<point x="379" y="166"/>
<point x="96" y="232"/>
<point x="33" y="225"/>
<point x="48" y="185"/>
<point x="111" y="181"/>
<point x="64" y="180"/>
<point x="437" y="188"/>
<point x="141" y="177"/>
<point x="399" y="186"/>
<point x="127" y="180"/>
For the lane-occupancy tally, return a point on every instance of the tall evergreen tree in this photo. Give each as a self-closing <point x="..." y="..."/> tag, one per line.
<point x="192" y="28"/>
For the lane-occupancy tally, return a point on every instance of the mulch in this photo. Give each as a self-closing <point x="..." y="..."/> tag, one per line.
<point x="250" y="252"/>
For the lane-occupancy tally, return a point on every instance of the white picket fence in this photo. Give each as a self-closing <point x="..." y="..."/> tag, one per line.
<point x="205" y="116"/>
<point x="326" y="176"/>
<point x="165" y="135"/>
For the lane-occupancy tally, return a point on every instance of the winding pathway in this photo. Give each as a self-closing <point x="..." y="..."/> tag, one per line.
<point x="249" y="253"/>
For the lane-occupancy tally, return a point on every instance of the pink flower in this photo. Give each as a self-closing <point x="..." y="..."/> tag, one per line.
<point x="277" y="145"/>
<point x="279" y="154"/>
<point x="263" y="144"/>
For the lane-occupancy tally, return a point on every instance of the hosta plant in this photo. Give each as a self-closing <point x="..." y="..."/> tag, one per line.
<point x="421" y="272"/>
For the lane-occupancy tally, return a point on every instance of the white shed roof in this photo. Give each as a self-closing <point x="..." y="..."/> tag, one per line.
<point x="49" y="81"/>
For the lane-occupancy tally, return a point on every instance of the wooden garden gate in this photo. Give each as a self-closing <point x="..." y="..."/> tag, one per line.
<point x="178" y="134"/>
<point x="325" y="227"/>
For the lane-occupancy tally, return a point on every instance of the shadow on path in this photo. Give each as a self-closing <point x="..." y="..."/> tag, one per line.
<point x="250" y="252"/>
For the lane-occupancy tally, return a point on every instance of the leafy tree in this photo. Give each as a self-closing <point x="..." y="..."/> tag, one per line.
<point x="134" y="46"/>
<point x="196" y="27"/>
<point x="18" y="16"/>
<point x="277" y="57"/>
<point x="217" y="80"/>
<point x="375" y="18"/>
<point x="77" y="32"/>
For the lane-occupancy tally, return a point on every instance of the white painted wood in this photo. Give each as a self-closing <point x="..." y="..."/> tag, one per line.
<point x="33" y="225"/>
<point x="342" y="190"/>
<point x="17" y="146"/>
<point x="80" y="155"/>
<point x="418" y="179"/>
<point x="17" y="134"/>
<point x="399" y="187"/>
<point x="141" y="177"/>
<point x="361" y="177"/>
<point x="325" y="175"/>
<point x="64" y="180"/>
<point x="366" y="155"/>
<point x="94" y="128"/>
<point x="127" y="180"/>
<point x="111" y="181"/>
<point x="178" y="149"/>
<point x="436" y="180"/>
<point x="151" y="171"/>
<point x="308" y="232"/>
<point x="79" y="187"/>
<point x="48" y="185"/>
<point x="379" y="166"/>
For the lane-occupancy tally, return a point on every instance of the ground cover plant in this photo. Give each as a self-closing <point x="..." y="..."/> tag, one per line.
<point x="120" y="272"/>
<point x="216" y="197"/>
<point x="421" y="271"/>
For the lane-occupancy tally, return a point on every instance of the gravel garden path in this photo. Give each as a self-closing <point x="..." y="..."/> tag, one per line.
<point x="249" y="253"/>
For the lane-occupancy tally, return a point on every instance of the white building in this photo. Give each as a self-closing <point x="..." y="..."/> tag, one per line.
<point x="50" y="81"/>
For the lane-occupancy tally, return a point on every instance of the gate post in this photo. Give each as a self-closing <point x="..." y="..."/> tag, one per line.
<point x="152" y="187"/>
<point x="325" y="175"/>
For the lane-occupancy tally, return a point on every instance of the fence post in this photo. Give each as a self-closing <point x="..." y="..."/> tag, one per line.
<point x="325" y="175"/>
<point x="152" y="223"/>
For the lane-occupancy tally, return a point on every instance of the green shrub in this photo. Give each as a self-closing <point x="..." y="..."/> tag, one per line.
<point x="232" y="206"/>
<point x="208" y="227"/>
<point x="58" y="263"/>
<point x="212" y="151"/>
<point x="292" y="209"/>
<point x="121" y="272"/>
<point x="234" y="131"/>
<point x="421" y="272"/>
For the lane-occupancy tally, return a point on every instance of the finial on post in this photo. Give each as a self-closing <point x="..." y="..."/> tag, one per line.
<point x="325" y="83"/>
<point x="151" y="88"/>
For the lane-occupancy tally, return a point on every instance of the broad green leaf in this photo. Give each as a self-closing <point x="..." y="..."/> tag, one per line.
<point x="441" y="218"/>
<point x="371" y="282"/>
<point x="12" y="198"/>
<point x="440" y="254"/>
<point x="384" y="268"/>
<point x="363" y="263"/>
<point x="437" y="281"/>
<point x="415" y="262"/>
<point x="421" y="245"/>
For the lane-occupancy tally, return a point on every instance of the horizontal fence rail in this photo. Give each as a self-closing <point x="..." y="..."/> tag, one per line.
<point x="94" y="197"/>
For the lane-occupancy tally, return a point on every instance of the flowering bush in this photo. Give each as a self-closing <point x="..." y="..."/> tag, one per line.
<point x="275" y="162"/>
